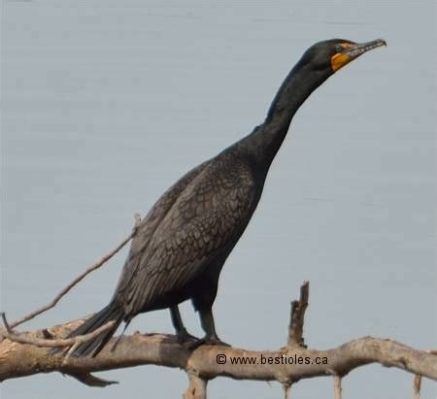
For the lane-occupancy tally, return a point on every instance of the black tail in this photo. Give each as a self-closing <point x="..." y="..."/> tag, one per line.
<point x="111" y="312"/>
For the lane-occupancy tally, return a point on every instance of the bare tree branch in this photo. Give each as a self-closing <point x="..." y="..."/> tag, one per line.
<point x="417" y="386"/>
<point x="286" y="386"/>
<point x="298" y="308"/>
<point x="417" y="383"/>
<point x="337" y="387"/>
<point x="18" y="360"/>
<point x="196" y="388"/>
<point x="23" y="354"/>
<point x="79" y="278"/>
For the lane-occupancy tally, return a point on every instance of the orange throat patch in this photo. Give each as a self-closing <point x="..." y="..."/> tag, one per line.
<point x="339" y="60"/>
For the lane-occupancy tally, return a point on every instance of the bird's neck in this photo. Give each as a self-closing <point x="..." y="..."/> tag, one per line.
<point x="264" y="142"/>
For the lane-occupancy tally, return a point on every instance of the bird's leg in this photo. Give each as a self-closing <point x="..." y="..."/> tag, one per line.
<point x="208" y="325"/>
<point x="181" y="332"/>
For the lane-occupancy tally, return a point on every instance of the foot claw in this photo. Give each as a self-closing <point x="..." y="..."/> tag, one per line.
<point x="184" y="337"/>
<point x="208" y="341"/>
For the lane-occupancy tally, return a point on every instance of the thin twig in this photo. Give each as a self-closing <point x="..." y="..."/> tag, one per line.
<point x="51" y="343"/>
<point x="70" y="352"/>
<point x="92" y="380"/>
<point x="6" y="324"/>
<point x="337" y="387"/>
<point x="78" y="279"/>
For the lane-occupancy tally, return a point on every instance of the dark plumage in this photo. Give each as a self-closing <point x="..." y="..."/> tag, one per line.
<point x="183" y="242"/>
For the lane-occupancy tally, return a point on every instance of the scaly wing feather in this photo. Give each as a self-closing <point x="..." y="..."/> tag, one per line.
<point x="205" y="222"/>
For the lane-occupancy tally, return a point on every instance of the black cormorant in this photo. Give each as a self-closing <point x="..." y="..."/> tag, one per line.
<point x="181" y="245"/>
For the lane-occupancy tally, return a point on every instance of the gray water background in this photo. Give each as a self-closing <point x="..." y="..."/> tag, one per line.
<point x="106" y="103"/>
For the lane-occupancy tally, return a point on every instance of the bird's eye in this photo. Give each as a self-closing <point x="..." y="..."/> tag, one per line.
<point x="338" y="48"/>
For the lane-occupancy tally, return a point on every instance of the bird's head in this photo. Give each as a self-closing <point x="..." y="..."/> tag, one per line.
<point x="317" y="64"/>
<point x="331" y="55"/>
